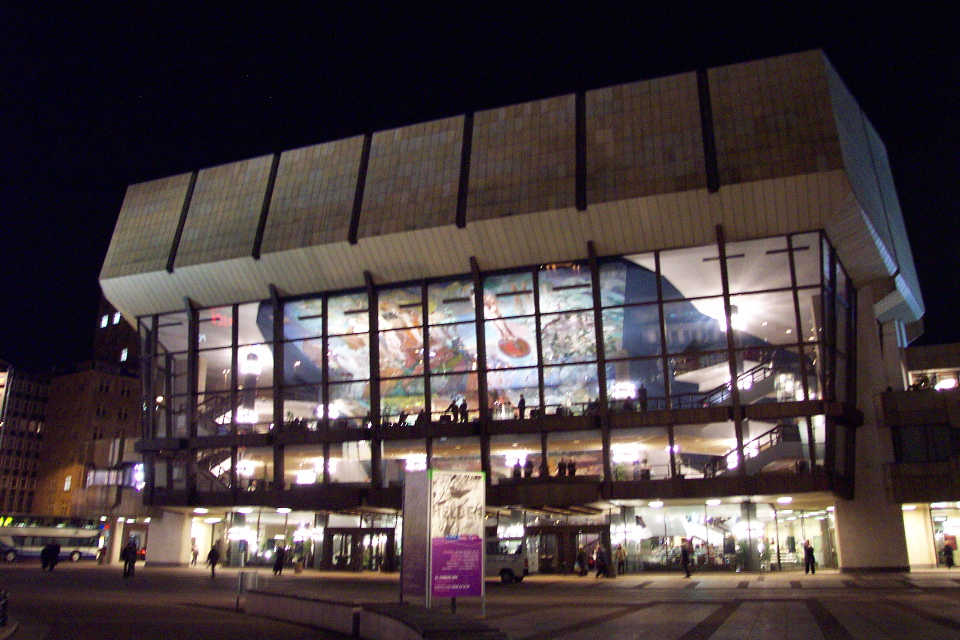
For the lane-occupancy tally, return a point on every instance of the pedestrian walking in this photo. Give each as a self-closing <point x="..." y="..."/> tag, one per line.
<point x="129" y="557"/>
<point x="279" y="558"/>
<point x="685" y="556"/>
<point x="601" y="561"/>
<point x="194" y="552"/>
<point x="213" y="558"/>
<point x="621" y="559"/>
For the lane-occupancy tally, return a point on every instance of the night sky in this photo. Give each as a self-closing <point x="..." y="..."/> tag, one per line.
<point x="94" y="99"/>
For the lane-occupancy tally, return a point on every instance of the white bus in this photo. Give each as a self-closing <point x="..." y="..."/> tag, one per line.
<point x="26" y="536"/>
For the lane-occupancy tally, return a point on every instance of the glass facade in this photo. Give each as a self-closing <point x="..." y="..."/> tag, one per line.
<point x="360" y="387"/>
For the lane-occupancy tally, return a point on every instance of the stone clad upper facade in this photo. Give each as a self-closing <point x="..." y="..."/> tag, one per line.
<point x="763" y="147"/>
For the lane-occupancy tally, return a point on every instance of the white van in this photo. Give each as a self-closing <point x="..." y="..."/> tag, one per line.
<point x="506" y="558"/>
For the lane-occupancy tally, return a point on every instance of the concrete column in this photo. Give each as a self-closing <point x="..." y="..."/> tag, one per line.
<point x="864" y="546"/>
<point x="117" y="540"/>
<point x="920" y="545"/>
<point x="169" y="542"/>
<point x="894" y="341"/>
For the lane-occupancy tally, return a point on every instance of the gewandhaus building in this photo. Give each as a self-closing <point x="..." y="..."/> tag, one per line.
<point x="647" y="312"/>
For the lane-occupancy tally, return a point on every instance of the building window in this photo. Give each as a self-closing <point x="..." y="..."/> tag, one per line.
<point x="116" y="318"/>
<point x="67" y="483"/>
<point x="104" y="321"/>
<point x="124" y="354"/>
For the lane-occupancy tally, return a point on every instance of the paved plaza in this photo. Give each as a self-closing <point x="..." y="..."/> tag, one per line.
<point x="769" y="606"/>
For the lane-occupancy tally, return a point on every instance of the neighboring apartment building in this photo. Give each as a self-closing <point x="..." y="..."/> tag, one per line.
<point x="23" y="410"/>
<point x="88" y="466"/>
<point x="645" y="312"/>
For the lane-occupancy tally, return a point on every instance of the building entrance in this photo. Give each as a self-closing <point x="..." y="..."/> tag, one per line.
<point x="359" y="549"/>
<point x="555" y="547"/>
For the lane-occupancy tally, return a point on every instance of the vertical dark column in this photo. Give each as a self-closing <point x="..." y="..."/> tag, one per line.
<point x="544" y="454"/>
<point x="234" y="397"/>
<point x="376" y="466"/>
<point x="148" y="373"/>
<point x="542" y="402"/>
<point x="265" y="207"/>
<point x="325" y="363"/>
<point x="706" y="127"/>
<point x="581" y="151"/>
<point x="429" y="449"/>
<point x="326" y="462"/>
<point x="278" y="375"/>
<point x="664" y="359"/>
<point x="731" y="350"/>
<point x="424" y="314"/>
<point x="482" y="407"/>
<point x="797" y="317"/>
<point x="852" y="317"/>
<point x="178" y="234"/>
<point x="604" y="416"/>
<point x="466" y="152"/>
<point x="830" y="328"/>
<point x="193" y="361"/>
<point x="354" y="231"/>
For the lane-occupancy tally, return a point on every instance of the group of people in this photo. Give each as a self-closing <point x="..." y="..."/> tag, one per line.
<point x="458" y="411"/>
<point x="49" y="556"/>
<point x="598" y="559"/>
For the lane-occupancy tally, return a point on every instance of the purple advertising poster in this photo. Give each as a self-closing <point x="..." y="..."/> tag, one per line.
<point x="457" y="568"/>
<point x="458" y="506"/>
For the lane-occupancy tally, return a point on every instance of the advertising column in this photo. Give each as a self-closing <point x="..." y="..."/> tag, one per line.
<point x="443" y="553"/>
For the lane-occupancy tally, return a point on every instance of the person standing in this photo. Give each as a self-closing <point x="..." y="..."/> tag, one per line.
<point x="463" y="411"/>
<point x="583" y="563"/>
<point x="685" y="556"/>
<point x="562" y="467"/>
<point x="212" y="559"/>
<point x="279" y="558"/>
<point x="601" y="561"/>
<point x="809" y="561"/>
<point x="129" y="557"/>
<point x="621" y="560"/>
<point x="522" y="406"/>
<point x="454" y="410"/>
<point x="642" y="398"/>
<point x="948" y="555"/>
<point x="54" y="555"/>
<point x="194" y="552"/>
<point x="528" y="468"/>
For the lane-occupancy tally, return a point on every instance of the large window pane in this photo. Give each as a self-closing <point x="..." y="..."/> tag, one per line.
<point x="303" y="319"/>
<point x="705" y="449"/>
<point x="255" y="468"/>
<point x="511" y="343"/>
<point x="215" y="366"/>
<point x="401" y="352"/>
<point x="628" y="280"/>
<point x="582" y="448"/>
<point x="400" y="307"/>
<point x="302" y="407"/>
<point x="640" y="454"/>
<point x="350" y="357"/>
<point x="806" y="258"/>
<point x="764" y="319"/>
<point x="695" y="326"/>
<point x="401" y="457"/>
<point x="505" y="388"/>
<point x="631" y="331"/>
<point x="508" y="296"/>
<point x="402" y="400"/>
<point x="571" y="389"/>
<point x="350" y="462"/>
<point x="303" y="362"/>
<point x="565" y="288"/>
<point x="636" y="385"/>
<point x="453" y="347"/>
<point x="448" y="390"/>
<point x="456" y="454"/>
<point x="758" y="265"/>
<point x="348" y="313"/>
<point x="213" y="470"/>
<point x="215" y="327"/>
<point x="691" y="273"/>
<point x="568" y="337"/>
<point x="349" y="404"/>
<point x="302" y="465"/>
<point x="509" y="456"/>
<point x="451" y="302"/>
